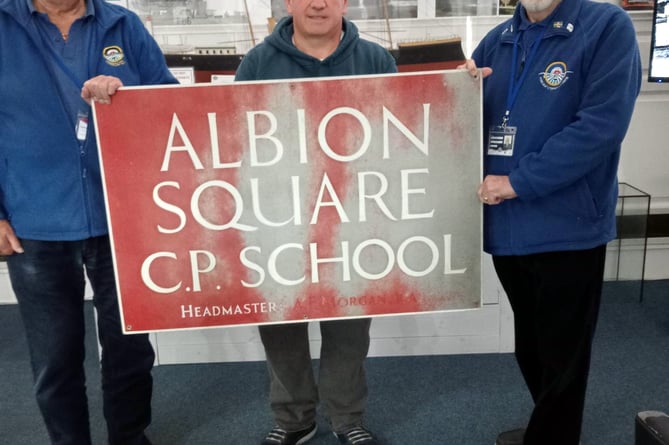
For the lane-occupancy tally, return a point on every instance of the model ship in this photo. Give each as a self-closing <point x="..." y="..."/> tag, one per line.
<point x="414" y="56"/>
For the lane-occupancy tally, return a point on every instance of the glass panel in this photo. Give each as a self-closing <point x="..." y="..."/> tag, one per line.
<point x="279" y="9"/>
<point x="198" y="12"/>
<point x="189" y="12"/>
<point x="453" y="8"/>
<point x="507" y="6"/>
<point x="402" y="9"/>
<point x="626" y="256"/>
<point x="366" y="9"/>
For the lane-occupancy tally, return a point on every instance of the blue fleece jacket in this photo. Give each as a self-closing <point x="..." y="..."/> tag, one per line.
<point x="50" y="190"/>
<point x="278" y="58"/>
<point x="571" y="113"/>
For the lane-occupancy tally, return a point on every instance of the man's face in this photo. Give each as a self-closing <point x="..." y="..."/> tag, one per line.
<point x="533" y="6"/>
<point x="314" y="18"/>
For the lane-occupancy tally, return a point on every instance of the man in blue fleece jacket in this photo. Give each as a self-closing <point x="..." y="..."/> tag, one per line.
<point x="565" y="77"/>
<point x="53" y="226"/>
<point x="316" y="41"/>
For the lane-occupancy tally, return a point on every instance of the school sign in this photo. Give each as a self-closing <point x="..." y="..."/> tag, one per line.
<point x="268" y="202"/>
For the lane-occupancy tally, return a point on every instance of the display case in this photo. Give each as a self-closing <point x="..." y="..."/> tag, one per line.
<point x="627" y="253"/>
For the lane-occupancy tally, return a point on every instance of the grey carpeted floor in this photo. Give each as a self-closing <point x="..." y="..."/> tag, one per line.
<point x="446" y="400"/>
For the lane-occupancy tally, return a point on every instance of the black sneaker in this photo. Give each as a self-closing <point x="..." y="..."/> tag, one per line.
<point x="357" y="436"/>
<point x="513" y="437"/>
<point x="279" y="436"/>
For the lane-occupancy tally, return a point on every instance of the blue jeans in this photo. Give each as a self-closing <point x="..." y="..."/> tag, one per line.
<point x="48" y="280"/>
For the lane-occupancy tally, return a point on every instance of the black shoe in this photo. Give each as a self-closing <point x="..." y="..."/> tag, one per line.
<point x="357" y="436"/>
<point x="279" y="436"/>
<point x="513" y="437"/>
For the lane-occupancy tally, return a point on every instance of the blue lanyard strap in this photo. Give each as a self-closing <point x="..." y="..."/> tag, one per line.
<point x="516" y="83"/>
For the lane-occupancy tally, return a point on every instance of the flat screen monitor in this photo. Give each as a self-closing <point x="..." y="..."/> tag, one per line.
<point x="658" y="69"/>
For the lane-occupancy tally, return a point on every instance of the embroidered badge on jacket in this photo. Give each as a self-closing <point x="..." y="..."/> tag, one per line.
<point x="113" y="55"/>
<point x="555" y="75"/>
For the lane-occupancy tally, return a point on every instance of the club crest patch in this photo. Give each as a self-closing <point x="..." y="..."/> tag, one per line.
<point x="113" y="55"/>
<point x="555" y="75"/>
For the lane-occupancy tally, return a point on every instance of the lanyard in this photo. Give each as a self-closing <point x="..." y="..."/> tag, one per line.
<point x="81" y="122"/>
<point x="515" y="84"/>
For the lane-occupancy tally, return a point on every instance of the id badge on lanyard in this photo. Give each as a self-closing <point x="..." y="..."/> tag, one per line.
<point x="82" y="126"/>
<point x="502" y="138"/>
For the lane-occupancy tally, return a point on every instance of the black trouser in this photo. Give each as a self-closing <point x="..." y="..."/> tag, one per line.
<point x="555" y="298"/>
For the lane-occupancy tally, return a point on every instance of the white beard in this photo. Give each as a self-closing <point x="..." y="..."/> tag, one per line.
<point x="534" y="6"/>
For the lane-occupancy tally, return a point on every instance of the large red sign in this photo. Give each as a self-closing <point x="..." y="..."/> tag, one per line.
<point x="265" y="202"/>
